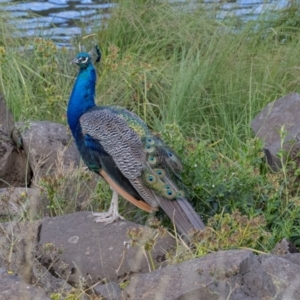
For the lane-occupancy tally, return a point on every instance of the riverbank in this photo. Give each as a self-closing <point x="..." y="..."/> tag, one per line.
<point x="61" y="21"/>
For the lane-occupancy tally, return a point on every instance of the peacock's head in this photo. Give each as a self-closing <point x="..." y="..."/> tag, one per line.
<point x="82" y="59"/>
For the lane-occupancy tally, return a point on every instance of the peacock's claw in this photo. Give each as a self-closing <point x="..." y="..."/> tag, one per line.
<point x="112" y="214"/>
<point x="107" y="217"/>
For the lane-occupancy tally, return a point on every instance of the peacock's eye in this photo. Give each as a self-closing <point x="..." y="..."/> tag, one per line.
<point x="83" y="60"/>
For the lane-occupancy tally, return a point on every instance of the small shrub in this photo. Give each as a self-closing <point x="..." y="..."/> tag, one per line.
<point x="230" y="231"/>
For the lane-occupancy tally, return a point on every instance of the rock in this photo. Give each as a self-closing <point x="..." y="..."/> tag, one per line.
<point x="47" y="145"/>
<point x="283" y="247"/>
<point x="292" y="257"/>
<point x="271" y="277"/>
<point x="21" y="201"/>
<point x="202" y="278"/>
<point x="18" y="242"/>
<point x="49" y="283"/>
<point x="229" y="274"/>
<point x="6" y="117"/>
<point x="14" y="169"/>
<point x="108" y="291"/>
<point x="54" y="161"/>
<point x="256" y="280"/>
<point x="284" y="275"/>
<point x="13" y="287"/>
<point x="268" y="123"/>
<point x="85" y="252"/>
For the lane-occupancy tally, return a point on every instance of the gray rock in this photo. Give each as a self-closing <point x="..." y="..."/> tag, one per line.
<point x="6" y="117"/>
<point x="239" y="291"/>
<point x="18" y="242"/>
<point x="21" y="202"/>
<point x="283" y="247"/>
<point x="49" y="283"/>
<point x="47" y="145"/>
<point x="268" y="123"/>
<point x="292" y="257"/>
<point x="285" y="276"/>
<point x="271" y="277"/>
<point x="14" y="169"/>
<point x="13" y="287"/>
<point x="224" y="275"/>
<point x="255" y="278"/>
<point x="202" y="278"/>
<point x="108" y="291"/>
<point x="85" y="252"/>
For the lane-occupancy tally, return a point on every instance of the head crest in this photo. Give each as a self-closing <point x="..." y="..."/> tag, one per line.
<point x="96" y="54"/>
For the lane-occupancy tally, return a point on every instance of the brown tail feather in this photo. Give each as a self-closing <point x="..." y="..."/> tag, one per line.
<point x="182" y="214"/>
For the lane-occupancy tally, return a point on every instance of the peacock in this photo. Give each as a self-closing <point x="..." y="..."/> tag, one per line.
<point x="116" y="144"/>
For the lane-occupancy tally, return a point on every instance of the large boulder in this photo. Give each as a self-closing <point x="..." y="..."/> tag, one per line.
<point x="47" y="145"/>
<point x="278" y="125"/>
<point x="233" y="274"/>
<point x="205" y="278"/>
<point x="80" y="250"/>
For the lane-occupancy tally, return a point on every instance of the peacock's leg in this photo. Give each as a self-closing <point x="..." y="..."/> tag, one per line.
<point x="112" y="214"/>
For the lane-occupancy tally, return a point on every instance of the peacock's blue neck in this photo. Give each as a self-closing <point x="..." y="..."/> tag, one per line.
<point x="82" y="97"/>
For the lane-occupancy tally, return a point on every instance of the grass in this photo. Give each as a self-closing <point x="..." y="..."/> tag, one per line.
<point x="196" y="81"/>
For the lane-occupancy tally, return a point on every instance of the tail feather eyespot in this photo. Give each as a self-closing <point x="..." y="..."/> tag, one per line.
<point x="150" y="141"/>
<point x="160" y="173"/>
<point x="150" y="148"/>
<point x="169" y="193"/>
<point x="152" y="160"/>
<point x="180" y="194"/>
<point x="170" y="154"/>
<point x="151" y="179"/>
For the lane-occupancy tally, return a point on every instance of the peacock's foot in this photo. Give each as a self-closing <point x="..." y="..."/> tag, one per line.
<point x="107" y="217"/>
<point x="112" y="214"/>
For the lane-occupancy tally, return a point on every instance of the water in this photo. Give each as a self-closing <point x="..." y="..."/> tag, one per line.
<point x="60" y="19"/>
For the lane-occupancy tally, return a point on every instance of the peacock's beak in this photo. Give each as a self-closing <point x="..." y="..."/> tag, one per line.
<point x="75" y="61"/>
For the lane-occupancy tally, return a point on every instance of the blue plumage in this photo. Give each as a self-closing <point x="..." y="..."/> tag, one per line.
<point x="118" y="145"/>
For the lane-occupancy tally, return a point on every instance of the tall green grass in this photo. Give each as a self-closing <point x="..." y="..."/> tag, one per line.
<point x="208" y="75"/>
<point x="34" y="74"/>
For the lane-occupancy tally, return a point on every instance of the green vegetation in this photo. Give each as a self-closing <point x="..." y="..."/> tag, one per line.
<point x="197" y="82"/>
